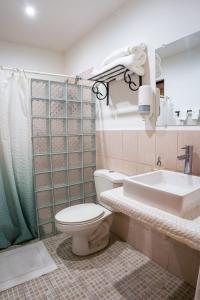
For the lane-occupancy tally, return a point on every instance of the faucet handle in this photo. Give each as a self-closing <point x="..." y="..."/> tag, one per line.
<point x="185" y="147"/>
<point x="188" y="148"/>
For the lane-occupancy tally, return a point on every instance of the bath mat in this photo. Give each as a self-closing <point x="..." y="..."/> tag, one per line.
<point x="23" y="264"/>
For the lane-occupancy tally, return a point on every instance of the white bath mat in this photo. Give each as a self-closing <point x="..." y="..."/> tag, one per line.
<point x="23" y="264"/>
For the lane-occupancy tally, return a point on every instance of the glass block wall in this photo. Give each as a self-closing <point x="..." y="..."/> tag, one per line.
<point x="64" y="157"/>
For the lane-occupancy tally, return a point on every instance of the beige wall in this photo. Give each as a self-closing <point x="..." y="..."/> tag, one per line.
<point x="136" y="151"/>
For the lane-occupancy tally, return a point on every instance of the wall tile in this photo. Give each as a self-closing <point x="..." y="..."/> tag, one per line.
<point x="109" y="143"/>
<point x="138" y="150"/>
<point x="113" y="164"/>
<point x="141" y="168"/>
<point x="115" y="144"/>
<point x="189" y="138"/>
<point x="129" y="168"/>
<point x="101" y="142"/>
<point x="130" y="145"/>
<point x="166" y="148"/>
<point x="100" y="162"/>
<point x="146" y="147"/>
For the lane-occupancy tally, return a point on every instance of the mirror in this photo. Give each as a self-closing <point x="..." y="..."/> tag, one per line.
<point x="178" y="78"/>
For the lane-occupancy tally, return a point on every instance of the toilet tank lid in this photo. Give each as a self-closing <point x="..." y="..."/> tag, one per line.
<point x="114" y="177"/>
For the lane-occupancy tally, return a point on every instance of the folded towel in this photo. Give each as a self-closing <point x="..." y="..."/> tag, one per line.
<point x="128" y="61"/>
<point x="195" y="114"/>
<point x="138" y="51"/>
<point x="183" y="114"/>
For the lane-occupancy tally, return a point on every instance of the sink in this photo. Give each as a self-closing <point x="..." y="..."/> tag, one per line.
<point x="173" y="192"/>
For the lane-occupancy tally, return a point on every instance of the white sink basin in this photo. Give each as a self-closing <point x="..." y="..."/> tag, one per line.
<point x="173" y="192"/>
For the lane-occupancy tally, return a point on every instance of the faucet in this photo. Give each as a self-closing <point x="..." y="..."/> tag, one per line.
<point x="188" y="158"/>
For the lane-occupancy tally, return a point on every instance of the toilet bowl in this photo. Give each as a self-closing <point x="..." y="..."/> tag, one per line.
<point x="89" y="223"/>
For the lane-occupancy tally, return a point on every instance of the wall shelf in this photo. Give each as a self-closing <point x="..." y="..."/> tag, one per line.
<point x="102" y="80"/>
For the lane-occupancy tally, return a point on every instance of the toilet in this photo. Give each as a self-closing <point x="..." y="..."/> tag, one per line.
<point x="89" y="223"/>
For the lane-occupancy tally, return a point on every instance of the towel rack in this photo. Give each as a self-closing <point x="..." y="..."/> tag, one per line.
<point x="103" y="79"/>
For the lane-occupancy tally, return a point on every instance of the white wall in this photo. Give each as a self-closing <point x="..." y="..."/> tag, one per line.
<point x="19" y="56"/>
<point x="154" y="22"/>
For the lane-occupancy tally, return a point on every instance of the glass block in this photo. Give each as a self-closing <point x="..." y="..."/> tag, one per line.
<point x="87" y="94"/>
<point x="73" y="92"/>
<point x="58" y="109"/>
<point x="46" y="230"/>
<point x="40" y="127"/>
<point x="59" y="161"/>
<point x="75" y="176"/>
<point x="40" y="89"/>
<point x="89" y="158"/>
<point x="89" y="173"/>
<point x="60" y="195"/>
<point x="41" y="145"/>
<point x="43" y="181"/>
<point x="58" y="208"/>
<point x="74" y="126"/>
<point x="58" y="90"/>
<point x="44" y="198"/>
<point x="74" y="143"/>
<point x="75" y="160"/>
<point x="89" y="142"/>
<point x="59" y="178"/>
<point x="91" y="199"/>
<point x="76" y="202"/>
<point x="76" y="191"/>
<point x="40" y="108"/>
<point x="42" y="163"/>
<point x="89" y="126"/>
<point x="58" y="144"/>
<point x="58" y="127"/>
<point x="74" y="109"/>
<point x="89" y="188"/>
<point x="89" y="110"/>
<point x="45" y="214"/>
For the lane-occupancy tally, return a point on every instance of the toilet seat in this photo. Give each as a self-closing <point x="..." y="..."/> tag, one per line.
<point x="80" y="214"/>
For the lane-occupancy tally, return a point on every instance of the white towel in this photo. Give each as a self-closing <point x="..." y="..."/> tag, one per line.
<point x="129" y="61"/>
<point x="138" y="51"/>
<point x="195" y="114"/>
<point x="183" y="114"/>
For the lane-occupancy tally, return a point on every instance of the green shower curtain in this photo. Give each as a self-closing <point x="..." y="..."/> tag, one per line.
<point x="17" y="208"/>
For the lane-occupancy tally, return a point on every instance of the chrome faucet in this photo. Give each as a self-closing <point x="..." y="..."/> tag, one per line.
<point x="188" y="158"/>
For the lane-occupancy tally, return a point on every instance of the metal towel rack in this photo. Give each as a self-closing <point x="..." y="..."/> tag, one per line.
<point x="102" y="80"/>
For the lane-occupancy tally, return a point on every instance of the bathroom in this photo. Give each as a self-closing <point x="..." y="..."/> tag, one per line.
<point x="99" y="149"/>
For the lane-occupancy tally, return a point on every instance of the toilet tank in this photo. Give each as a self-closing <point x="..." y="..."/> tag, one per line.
<point x="107" y="180"/>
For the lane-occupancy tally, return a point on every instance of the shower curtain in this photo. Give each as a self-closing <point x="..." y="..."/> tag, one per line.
<point x="17" y="208"/>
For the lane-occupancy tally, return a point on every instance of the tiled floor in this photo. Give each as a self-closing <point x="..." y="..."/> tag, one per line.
<point x="119" y="272"/>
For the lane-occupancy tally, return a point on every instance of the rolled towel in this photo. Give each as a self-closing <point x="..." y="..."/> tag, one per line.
<point x="138" y="51"/>
<point x="129" y="62"/>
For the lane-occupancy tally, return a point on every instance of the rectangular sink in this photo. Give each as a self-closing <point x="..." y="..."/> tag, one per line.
<point x="173" y="192"/>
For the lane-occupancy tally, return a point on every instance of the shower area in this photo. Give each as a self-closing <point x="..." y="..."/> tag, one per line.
<point x="63" y="147"/>
<point x="47" y="151"/>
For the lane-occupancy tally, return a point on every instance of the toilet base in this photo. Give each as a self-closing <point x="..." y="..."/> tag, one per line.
<point x="82" y="247"/>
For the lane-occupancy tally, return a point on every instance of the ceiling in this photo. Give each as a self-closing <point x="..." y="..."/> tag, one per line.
<point x="57" y="24"/>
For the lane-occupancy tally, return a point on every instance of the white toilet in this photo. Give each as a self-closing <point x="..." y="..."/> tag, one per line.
<point x="89" y="223"/>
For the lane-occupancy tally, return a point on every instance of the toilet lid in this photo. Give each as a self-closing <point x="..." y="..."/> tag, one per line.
<point x="80" y="213"/>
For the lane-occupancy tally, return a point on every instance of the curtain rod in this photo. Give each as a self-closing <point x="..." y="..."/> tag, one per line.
<point x="37" y="72"/>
